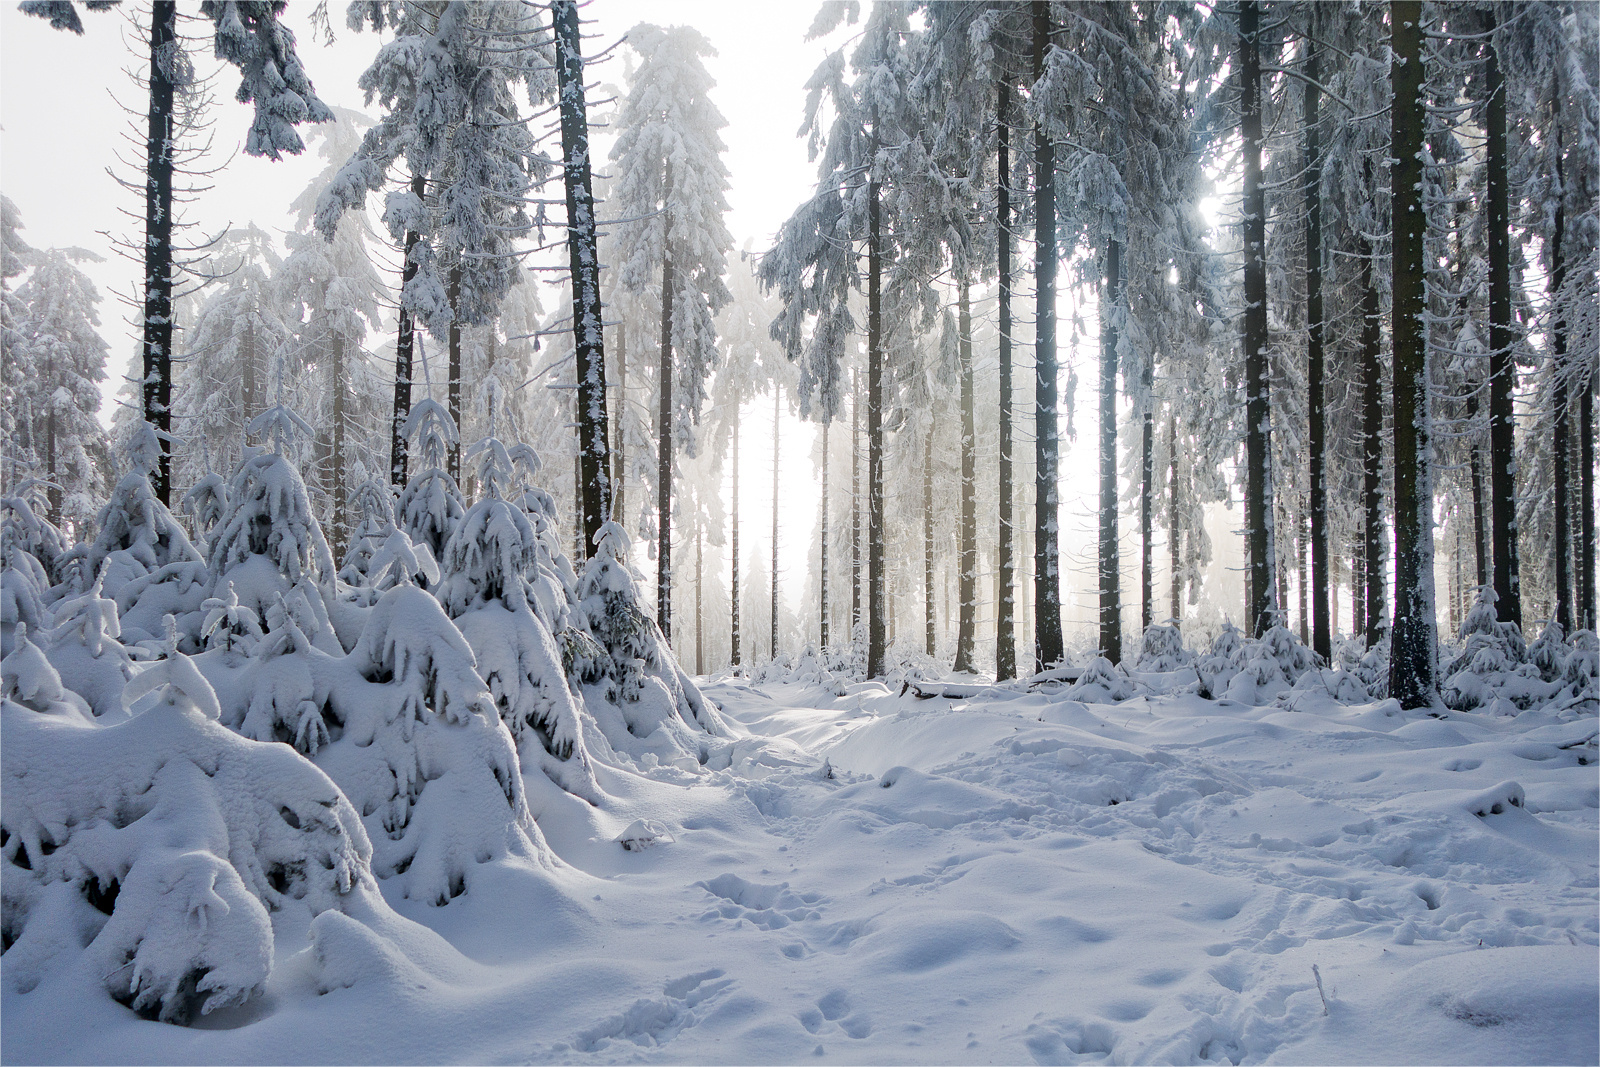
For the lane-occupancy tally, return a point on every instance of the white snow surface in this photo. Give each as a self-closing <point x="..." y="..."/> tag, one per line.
<point x="1012" y="878"/>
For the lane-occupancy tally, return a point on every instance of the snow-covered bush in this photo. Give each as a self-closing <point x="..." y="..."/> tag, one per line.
<point x="1161" y="649"/>
<point x="1225" y="659"/>
<point x="148" y="854"/>
<point x="430" y="505"/>
<point x="85" y="645"/>
<point x="1269" y="664"/>
<point x="1492" y="664"/>
<point x="1101" y="683"/>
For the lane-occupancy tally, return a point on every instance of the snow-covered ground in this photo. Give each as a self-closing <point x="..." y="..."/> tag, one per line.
<point x="1012" y="878"/>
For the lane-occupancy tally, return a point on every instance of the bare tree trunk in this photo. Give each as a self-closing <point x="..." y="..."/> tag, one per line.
<point x="619" y="470"/>
<point x="822" y="596"/>
<point x="664" y="448"/>
<point x="1109" y="554"/>
<point x="340" y="385"/>
<point x="453" y="387"/>
<point x="734" y="619"/>
<point x="1147" y="470"/>
<point x="1005" y="657"/>
<point x="929" y="643"/>
<point x="1413" y="642"/>
<point x="1502" y="366"/>
<point x="1049" y="644"/>
<point x="1321" y="634"/>
<point x="1560" y="447"/>
<point x="855" y="505"/>
<point x="699" y="601"/>
<point x="777" y="397"/>
<point x="1302" y="575"/>
<point x="1586" y="576"/>
<point x="1258" y="401"/>
<point x="1174" y="531"/>
<point x="967" y="590"/>
<point x="584" y="265"/>
<point x="877" y="618"/>
<point x="405" y="341"/>
<point x="1372" y="448"/>
<point x="157" y="323"/>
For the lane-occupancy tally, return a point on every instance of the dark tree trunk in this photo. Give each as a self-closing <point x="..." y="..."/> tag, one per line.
<point x="1147" y="471"/>
<point x="876" y="616"/>
<point x="1048" y="640"/>
<point x="1372" y="448"/>
<point x="1109" y="555"/>
<point x="777" y="395"/>
<point x="54" y="493"/>
<point x="1005" y="656"/>
<point x="664" y="450"/>
<point x="453" y="387"/>
<point x="404" y="342"/>
<point x="1303" y="574"/>
<point x="1563" y="424"/>
<point x="339" y="385"/>
<point x="930" y="645"/>
<point x="1174" y="529"/>
<point x="619" y="475"/>
<point x="1321" y="628"/>
<point x="250" y="390"/>
<point x="1480" y="548"/>
<point x="822" y="570"/>
<point x="584" y="266"/>
<point x="855" y="505"/>
<point x="1412" y="647"/>
<point x="1258" y="401"/>
<point x="734" y="619"/>
<point x="157" y="343"/>
<point x="967" y="586"/>
<point x="699" y="601"/>
<point x="1502" y="365"/>
<point x="1586" y="581"/>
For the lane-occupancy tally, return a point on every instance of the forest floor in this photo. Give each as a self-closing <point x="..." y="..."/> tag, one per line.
<point x="1005" y="879"/>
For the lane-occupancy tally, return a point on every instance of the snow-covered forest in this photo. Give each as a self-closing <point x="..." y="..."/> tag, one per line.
<point x="950" y="532"/>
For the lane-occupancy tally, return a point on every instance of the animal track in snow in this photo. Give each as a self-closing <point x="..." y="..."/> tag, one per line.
<point x="651" y="1022"/>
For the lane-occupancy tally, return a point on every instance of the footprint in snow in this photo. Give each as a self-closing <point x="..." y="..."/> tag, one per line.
<point x="653" y="1021"/>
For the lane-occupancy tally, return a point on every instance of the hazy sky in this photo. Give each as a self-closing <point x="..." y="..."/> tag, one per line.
<point x="63" y="128"/>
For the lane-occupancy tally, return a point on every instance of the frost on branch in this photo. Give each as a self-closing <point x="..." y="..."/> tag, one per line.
<point x="160" y="844"/>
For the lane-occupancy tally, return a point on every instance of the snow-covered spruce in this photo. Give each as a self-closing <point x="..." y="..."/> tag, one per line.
<point x="431" y="504"/>
<point x="1492" y="670"/>
<point x="1161" y="649"/>
<point x="638" y="694"/>
<point x="147" y="856"/>
<point x="1101" y="683"/>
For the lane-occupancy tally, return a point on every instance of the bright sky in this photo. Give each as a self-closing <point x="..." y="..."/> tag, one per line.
<point x="63" y="128"/>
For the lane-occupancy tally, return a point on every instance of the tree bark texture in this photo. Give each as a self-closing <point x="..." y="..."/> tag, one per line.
<point x="1372" y="557"/>
<point x="1316" y="433"/>
<point x="1502" y="364"/>
<point x="822" y="571"/>
<point x="734" y="618"/>
<point x="1049" y="643"/>
<point x="967" y="585"/>
<point x="453" y="387"/>
<point x="156" y="393"/>
<point x="929" y="644"/>
<point x="877" y="620"/>
<point x="1109" y="554"/>
<point x="777" y="397"/>
<point x="664" y="447"/>
<point x="1258" y="402"/>
<point x="1005" y="656"/>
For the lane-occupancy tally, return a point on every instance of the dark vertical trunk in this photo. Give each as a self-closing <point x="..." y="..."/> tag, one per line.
<point x="54" y="493"/>
<point x="699" y="601"/>
<point x="1258" y="401"/>
<point x="855" y="505"/>
<point x="1358" y="590"/>
<point x="1048" y="641"/>
<point x="1147" y="471"/>
<point x="1321" y="617"/>
<point x="1502" y="366"/>
<point x="453" y="386"/>
<point x="664" y="449"/>
<point x="1371" y="449"/>
<point x="967" y="586"/>
<point x="404" y="343"/>
<point x="584" y="267"/>
<point x="734" y="619"/>
<point x="877" y="618"/>
<point x="339" y="385"/>
<point x="1005" y="656"/>
<point x="1303" y="575"/>
<point x="250" y="389"/>
<point x="1586" y="580"/>
<point x="619" y="475"/>
<point x="930" y="644"/>
<point x="1109" y="554"/>
<point x="1174" y="530"/>
<point x="1561" y="446"/>
<point x="777" y="395"/>
<point x="1412" y="644"/>
<point x="157" y="343"/>
<point x="1480" y="548"/>
<point x="822" y="569"/>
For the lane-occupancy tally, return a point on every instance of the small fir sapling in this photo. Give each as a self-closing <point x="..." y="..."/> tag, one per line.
<point x="1162" y="649"/>
<point x="485" y="589"/>
<point x="85" y="647"/>
<point x="1225" y="659"/>
<point x="160" y="844"/>
<point x="373" y="504"/>
<point x="29" y="531"/>
<point x="1272" y="663"/>
<point x="23" y="583"/>
<point x="431" y="504"/>
<point x="206" y="502"/>
<point x="1493" y="664"/>
<point x="1101" y="683"/>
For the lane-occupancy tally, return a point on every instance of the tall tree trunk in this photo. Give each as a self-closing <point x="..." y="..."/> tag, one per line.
<point x="699" y="601"/>
<point x="1109" y="554"/>
<point x="584" y="266"/>
<point x="1303" y="574"/>
<point x="930" y="645"/>
<point x="1372" y="561"/>
<point x="1005" y="656"/>
<point x="1561" y="445"/>
<point x="1321" y="629"/>
<point x="1147" y="470"/>
<point x="664" y="446"/>
<point x="822" y="570"/>
<point x="967" y="586"/>
<point x="1480" y="548"/>
<point x="404" y="344"/>
<point x="453" y="386"/>
<point x="877" y="618"/>
<point x="1258" y="401"/>
<point x="1586" y="577"/>
<point x="1413" y="643"/>
<point x="340" y="385"/>
<point x="1048" y="640"/>
<point x="54" y="493"/>
<point x="1358" y="589"/>
<point x="734" y="618"/>
<point x="249" y="369"/>
<point x="157" y="323"/>
<point x="1502" y="366"/>
<point x="777" y="396"/>
<point x="855" y="505"/>
<point x="1174" y="530"/>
